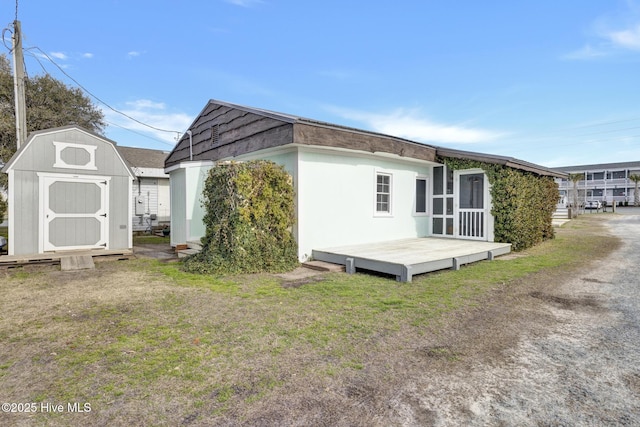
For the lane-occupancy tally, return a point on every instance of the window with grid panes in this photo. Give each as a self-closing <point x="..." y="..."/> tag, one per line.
<point x="383" y="193"/>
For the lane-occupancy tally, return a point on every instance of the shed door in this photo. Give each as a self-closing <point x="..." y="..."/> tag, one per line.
<point x="75" y="213"/>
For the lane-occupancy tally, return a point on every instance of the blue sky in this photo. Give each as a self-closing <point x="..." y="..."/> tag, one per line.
<point x="547" y="81"/>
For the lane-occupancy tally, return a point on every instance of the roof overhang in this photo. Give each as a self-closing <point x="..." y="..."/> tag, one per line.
<point x="500" y="160"/>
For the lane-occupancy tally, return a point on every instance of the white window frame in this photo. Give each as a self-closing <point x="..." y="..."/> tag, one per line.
<point x="388" y="212"/>
<point x="61" y="164"/>
<point x="426" y="196"/>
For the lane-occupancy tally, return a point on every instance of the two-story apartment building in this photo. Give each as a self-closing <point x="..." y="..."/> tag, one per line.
<point x="602" y="182"/>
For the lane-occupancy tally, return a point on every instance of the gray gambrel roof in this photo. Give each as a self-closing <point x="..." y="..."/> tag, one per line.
<point x="62" y="129"/>
<point x="290" y="129"/>
<point x="133" y="157"/>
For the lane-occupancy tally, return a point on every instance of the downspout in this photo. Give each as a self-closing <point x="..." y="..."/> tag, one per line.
<point x="190" y="145"/>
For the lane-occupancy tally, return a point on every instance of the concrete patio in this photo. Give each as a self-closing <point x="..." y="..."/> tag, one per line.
<point x="408" y="257"/>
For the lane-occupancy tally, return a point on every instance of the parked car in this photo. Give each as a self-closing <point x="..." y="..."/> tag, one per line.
<point x="593" y="204"/>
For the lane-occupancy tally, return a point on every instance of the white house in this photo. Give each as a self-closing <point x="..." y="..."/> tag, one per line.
<point x="352" y="186"/>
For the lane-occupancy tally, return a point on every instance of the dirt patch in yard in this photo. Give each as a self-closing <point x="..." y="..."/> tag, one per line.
<point x="501" y="361"/>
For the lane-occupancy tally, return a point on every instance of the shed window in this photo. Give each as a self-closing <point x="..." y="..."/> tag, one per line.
<point x="383" y="193"/>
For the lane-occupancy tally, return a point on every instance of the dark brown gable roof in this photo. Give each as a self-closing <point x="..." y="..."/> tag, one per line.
<point x="143" y="157"/>
<point x="224" y="130"/>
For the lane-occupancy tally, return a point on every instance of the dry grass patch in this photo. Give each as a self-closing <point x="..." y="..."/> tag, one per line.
<point x="146" y="343"/>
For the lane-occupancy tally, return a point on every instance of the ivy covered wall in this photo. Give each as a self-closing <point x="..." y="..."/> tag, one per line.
<point x="523" y="202"/>
<point x="249" y="216"/>
<point x="3" y="208"/>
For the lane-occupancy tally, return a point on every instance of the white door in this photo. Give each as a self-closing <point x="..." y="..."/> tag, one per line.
<point x="75" y="212"/>
<point x="472" y="205"/>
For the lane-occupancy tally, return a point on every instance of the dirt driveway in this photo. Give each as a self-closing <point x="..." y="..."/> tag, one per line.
<point x="575" y="361"/>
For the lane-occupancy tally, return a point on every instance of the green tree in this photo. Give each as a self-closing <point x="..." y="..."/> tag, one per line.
<point x="636" y="193"/>
<point x="49" y="104"/>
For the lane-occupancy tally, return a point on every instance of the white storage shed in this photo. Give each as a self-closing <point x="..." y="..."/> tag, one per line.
<point x="69" y="189"/>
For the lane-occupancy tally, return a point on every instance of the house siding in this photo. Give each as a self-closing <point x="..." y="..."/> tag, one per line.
<point x="337" y="200"/>
<point x="25" y="215"/>
<point x="335" y="196"/>
<point x="195" y="226"/>
<point x="187" y="185"/>
<point x="154" y="192"/>
<point x="120" y="236"/>
<point x="164" y="200"/>
<point x="178" y="207"/>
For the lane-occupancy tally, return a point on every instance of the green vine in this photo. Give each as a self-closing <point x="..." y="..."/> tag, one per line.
<point x="249" y="217"/>
<point x="3" y="207"/>
<point x="523" y="202"/>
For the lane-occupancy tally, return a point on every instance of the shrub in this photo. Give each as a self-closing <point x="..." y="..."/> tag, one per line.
<point x="249" y="215"/>
<point x="523" y="203"/>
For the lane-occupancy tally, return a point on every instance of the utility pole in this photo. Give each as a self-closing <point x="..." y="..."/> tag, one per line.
<point x="18" y="85"/>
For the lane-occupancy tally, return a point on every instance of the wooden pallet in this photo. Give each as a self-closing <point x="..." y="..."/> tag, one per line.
<point x="15" y="261"/>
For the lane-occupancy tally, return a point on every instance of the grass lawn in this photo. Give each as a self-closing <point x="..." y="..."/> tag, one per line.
<point x="145" y="343"/>
<point x="146" y="239"/>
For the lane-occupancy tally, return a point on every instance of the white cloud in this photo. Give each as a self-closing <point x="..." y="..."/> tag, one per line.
<point x="244" y="3"/>
<point x="411" y="125"/>
<point x="64" y="57"/>
<point x="587" y="52"/>
<point x="142" y="104"/>
<point x="58" y="55"/>
<point x="626" y="39"/>
<point x="614" y="33"/>
<point x="154" y="114"/>
<point x="133" y="54"/>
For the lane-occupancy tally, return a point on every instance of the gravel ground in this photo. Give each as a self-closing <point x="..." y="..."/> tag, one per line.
<point x="577" y="361"/>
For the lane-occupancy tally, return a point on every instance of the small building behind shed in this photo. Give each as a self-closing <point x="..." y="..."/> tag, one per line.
<point x="150" y="198"/>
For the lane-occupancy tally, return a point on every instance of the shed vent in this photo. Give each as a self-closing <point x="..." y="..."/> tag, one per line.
<point x="215" y="134"/>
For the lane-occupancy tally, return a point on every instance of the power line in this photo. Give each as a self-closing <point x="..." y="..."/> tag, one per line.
<point x="604" y="123"/>
<point x="530" y="147"/>
<point x="44" y="69"/>
<point x="138" y="133"/>
<point x="100" y="100"/>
